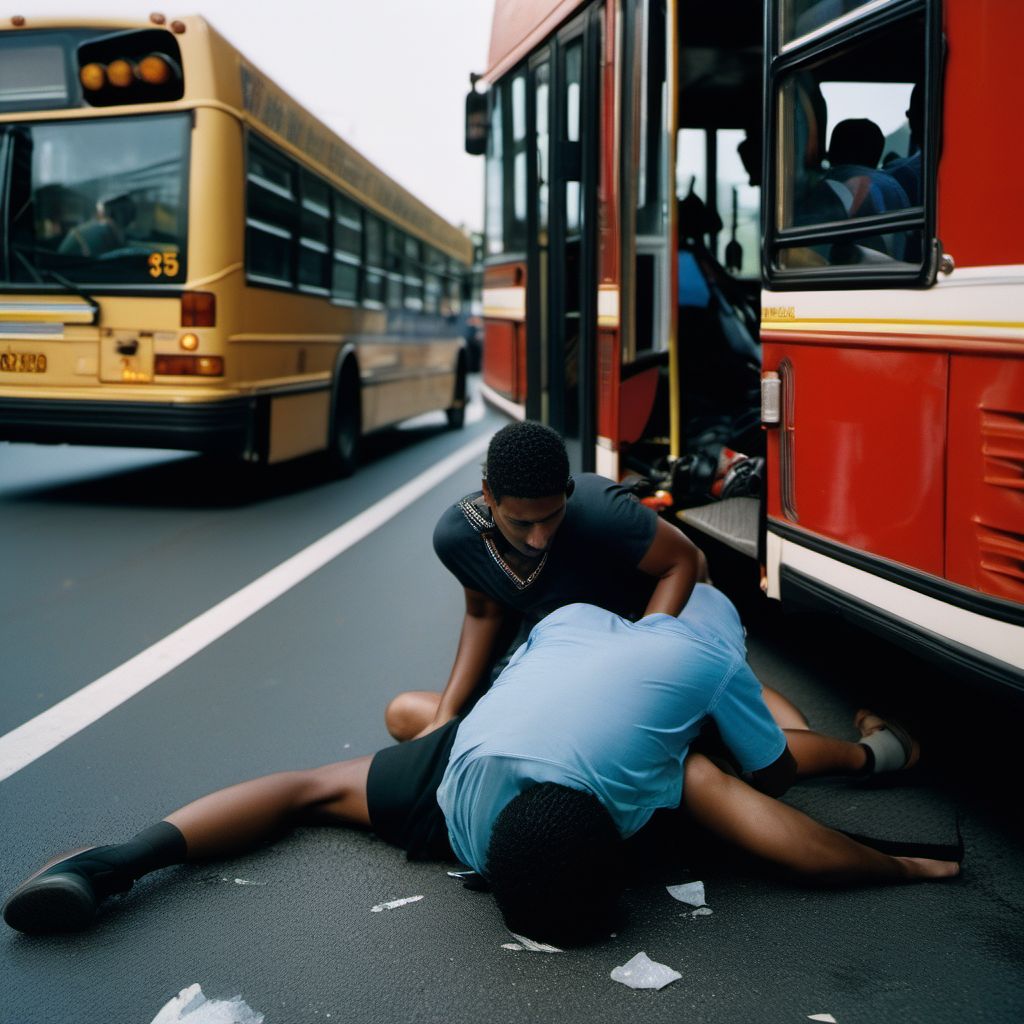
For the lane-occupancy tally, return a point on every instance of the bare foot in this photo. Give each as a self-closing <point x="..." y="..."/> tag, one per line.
<point x="923" y="869"/>
<point x="867" y="722"/>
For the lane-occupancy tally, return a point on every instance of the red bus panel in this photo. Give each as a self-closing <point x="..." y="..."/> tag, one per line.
<point x="868" y="444"/>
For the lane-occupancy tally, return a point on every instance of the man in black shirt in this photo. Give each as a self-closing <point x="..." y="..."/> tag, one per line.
<point x="532" y="540"/>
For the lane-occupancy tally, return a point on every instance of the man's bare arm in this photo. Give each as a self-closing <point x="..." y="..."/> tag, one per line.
<point x="677" y="563"/>
<point x="480" y="629"/>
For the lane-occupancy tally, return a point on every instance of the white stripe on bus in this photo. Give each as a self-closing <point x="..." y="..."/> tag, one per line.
<point x="1002" y="641"/>
<point x="50" y="728"/>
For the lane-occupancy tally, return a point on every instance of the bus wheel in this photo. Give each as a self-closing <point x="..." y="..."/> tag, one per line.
<point x="456" y="413"/>
<point x="343" y="451"/>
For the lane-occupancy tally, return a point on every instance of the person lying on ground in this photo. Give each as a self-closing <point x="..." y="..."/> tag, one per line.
<point x="538" y="799"/>
<point x="534" y="539"/>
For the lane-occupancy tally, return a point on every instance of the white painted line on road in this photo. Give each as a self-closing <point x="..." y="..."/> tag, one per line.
<point x="39" y="735"/>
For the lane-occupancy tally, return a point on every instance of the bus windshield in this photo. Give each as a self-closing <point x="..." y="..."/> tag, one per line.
<point x="96" y="202"/>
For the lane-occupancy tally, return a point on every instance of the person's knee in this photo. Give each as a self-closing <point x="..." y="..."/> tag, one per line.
<point x="403" y="717"/>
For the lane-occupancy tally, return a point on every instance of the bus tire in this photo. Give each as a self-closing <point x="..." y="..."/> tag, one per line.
<point x="456" y="412"/>
<point x="346" y="423"/>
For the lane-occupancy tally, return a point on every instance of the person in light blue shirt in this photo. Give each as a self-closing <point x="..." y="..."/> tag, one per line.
<point x="584" y="736"/>
<point x="640" y="693"/>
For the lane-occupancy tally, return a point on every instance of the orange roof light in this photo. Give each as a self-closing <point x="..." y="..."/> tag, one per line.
<point x="178" y="27"/>
<point x="121" y="73"/>
<point x="155" y="70"/>
<point x="157" y="18"/>
<point x="18" y="21"/>
<point x="93" y="77"/>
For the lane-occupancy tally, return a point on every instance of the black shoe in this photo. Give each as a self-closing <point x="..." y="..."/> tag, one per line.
<point x="64" y="896"/>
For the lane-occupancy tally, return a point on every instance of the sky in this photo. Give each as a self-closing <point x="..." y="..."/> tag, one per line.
<point x="389" y="76"/>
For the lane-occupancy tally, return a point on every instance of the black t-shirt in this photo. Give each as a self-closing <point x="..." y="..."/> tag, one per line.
<point x="593" y="557"/>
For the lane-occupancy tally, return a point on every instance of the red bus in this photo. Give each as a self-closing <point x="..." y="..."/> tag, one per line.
<point x="787" y="229"/>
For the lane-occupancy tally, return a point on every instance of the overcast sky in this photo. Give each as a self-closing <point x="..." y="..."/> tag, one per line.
<point x="389" y="76"/>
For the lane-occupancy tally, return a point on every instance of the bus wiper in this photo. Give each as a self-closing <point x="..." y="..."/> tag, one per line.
<point x="69" y="286"/>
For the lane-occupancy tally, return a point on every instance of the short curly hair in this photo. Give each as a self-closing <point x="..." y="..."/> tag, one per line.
<point x="526" y="460"/>
<point x="555" y="865"/>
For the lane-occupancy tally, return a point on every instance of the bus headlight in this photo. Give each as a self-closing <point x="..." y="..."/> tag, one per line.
<point x="189" y="342"/>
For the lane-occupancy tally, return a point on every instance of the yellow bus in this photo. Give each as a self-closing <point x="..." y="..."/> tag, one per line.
<point x="189" y="259"/>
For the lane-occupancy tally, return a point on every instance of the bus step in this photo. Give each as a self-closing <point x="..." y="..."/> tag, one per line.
<point x="733" y="522"/>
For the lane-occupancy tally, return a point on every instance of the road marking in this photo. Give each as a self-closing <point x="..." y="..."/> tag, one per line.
<point x="50" y="728"/>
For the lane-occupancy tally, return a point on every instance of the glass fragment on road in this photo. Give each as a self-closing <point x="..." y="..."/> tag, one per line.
<point x="688" y="892"/>
<point x="191" y="1006"/>
<point x="533" y="947"/>
<point x="643" y="972"/>
<point x="392" y="904"/>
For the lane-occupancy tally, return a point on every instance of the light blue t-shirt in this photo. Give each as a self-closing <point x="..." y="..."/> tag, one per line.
<point x="598" y="703"/>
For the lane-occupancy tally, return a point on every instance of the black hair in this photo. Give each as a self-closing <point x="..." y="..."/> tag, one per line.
<point x="526" y="460"/>
<point x="555" y="865"/>
<point x="857" y="140"/>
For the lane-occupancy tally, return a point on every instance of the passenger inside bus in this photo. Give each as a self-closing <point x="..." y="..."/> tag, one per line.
<point x="720" y="362"/>
<point x="104" y="232"/>
<point x="907" y="170"/>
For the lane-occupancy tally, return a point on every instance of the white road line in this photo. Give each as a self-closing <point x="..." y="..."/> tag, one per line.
<point x="39" y="735"/>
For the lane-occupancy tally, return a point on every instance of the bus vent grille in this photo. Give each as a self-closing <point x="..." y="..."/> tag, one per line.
<point x="1001" y="550"/>
<point x="1002" y="444"/>
<point x="1002" y="553"/>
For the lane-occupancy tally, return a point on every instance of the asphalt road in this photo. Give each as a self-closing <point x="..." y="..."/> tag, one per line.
<point x="106" y="552"/>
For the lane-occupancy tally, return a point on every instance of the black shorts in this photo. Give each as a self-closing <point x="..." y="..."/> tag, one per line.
<point x="401" y="793"/>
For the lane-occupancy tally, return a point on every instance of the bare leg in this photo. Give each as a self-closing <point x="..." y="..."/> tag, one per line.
<point x="824" y="755"/>
<point x="786" y="714"/>
<point x="236" y="818"/>
<point x="783" y="836"/>
<point x="411" y="712"/>
<point x="65" y="895"/>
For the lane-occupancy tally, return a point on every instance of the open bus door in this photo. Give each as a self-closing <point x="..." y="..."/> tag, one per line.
<point x="692" y="104"/>
<point x="562" y="102"/>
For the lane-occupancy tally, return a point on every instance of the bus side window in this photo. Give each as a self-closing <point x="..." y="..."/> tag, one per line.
<point x="394" y="262"/>
<point x="849" y="144"/>
<point x="271" y="202"/>
<point x="374" y="274"/>
<point x="314" y="258"/>
<point x="348" y="247"/>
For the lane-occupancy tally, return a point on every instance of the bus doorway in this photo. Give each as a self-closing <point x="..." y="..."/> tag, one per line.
<point x="562" y="235"/>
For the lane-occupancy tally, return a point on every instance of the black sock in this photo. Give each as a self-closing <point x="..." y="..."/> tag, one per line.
<point x="158" y="846"/>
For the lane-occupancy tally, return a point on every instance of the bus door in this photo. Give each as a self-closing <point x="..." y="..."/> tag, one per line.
<point x="562" y="231"/>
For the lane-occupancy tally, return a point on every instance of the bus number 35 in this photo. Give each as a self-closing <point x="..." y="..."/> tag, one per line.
<point x="163" y="264"/>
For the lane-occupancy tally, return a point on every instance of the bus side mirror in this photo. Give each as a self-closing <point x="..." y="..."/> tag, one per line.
<point x="476" y="123"/>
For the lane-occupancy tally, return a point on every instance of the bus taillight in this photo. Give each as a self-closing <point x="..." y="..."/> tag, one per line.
<point x="188" y="366"/>
<point x="198" y="309"/>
